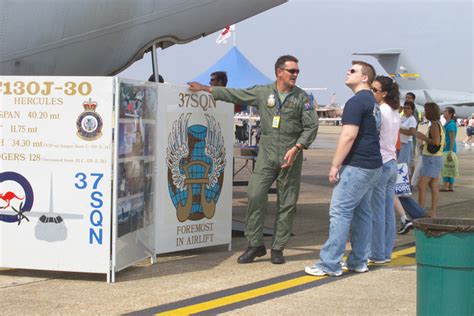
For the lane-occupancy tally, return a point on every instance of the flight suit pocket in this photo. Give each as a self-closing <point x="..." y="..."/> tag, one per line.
<point x="291" y="121"/>
<point x="289" y="112"/>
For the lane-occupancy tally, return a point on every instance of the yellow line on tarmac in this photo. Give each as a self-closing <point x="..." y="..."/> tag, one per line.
<point x="404" y="252"/>
<point x="192" y="309"/>
<point x="398" y="259"/>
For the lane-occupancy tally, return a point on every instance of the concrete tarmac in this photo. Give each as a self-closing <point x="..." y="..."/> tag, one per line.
<point x="210" y="277"/>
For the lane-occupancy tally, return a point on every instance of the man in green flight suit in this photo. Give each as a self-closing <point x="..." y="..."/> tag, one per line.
<point x="289" y="124"/>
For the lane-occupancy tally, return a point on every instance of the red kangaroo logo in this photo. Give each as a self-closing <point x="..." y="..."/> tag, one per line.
<point x="8" y="196"/>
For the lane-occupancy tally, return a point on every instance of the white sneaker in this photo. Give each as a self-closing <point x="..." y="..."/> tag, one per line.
<point x="376" y="261"/>
<point x="362" y="269"/>
<point x="358" y="270"/>
<point x="316" y="271"/>
<point x="344" y="266"/>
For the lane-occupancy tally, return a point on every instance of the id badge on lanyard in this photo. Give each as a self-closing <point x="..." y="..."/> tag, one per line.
<point x="276" y="117"/>
<point x="276" y="121"/>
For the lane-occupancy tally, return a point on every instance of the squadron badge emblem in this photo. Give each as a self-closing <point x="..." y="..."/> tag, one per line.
<point x="196" y="160"/>
<point x="89" y="123"/>
<point x="271" y="101"/>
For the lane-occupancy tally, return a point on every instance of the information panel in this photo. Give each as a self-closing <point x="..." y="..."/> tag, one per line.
<point x="55" y="173"/>
<point x="194" y="170"/>
<point x="135" y="160"/>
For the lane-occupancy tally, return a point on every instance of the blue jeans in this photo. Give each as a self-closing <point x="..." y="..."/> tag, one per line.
<point x="383" y="213"/>
<point x="350" y="209"/>
<point x="405" y="153"/>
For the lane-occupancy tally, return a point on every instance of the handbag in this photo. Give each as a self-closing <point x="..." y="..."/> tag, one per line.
<point x="433" y="149"/>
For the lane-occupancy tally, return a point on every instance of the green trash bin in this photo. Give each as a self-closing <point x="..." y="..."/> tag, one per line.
<point x="445" y="266"/>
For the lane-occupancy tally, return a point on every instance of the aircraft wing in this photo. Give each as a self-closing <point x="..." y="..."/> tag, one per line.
<point x="103" y="37"/>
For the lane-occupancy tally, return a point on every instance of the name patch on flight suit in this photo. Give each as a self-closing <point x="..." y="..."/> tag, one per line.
<point x="290" y="104"/>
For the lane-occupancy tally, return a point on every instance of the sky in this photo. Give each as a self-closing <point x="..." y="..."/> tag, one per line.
<point x="436" y="36"/>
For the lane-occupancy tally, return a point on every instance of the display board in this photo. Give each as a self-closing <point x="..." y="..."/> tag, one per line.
<point x="56" y="173"/>
<point x="194" y="170"/>
<point x="134" y="227"/>
<point x="97" y="173"/>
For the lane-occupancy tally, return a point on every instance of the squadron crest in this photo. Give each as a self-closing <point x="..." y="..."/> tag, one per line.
<point x="89" y="123"/>
<point x="196" y="159"/>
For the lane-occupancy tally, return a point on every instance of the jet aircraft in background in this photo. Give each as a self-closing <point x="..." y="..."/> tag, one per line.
<point x="397" y="66"/>
<point x="103" y="37"/>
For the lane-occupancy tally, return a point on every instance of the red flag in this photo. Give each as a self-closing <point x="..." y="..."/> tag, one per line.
<point x="225" y="34"/>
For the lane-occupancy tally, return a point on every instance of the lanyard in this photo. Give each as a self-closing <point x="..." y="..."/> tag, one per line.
<point x="280" y="104"/>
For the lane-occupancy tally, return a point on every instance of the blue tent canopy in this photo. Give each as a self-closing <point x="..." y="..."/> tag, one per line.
<point x="240" y="71"/>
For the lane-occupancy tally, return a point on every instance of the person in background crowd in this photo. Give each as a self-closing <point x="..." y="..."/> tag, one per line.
<point x="411" y="97"/>
<point x="218" y="79"/>
<point x="432" y="156"/>
<point x="469" y="131"/>
<point x="451" y="131"/>
<point x="407" y="130"/>
<point x="387" y="95"/>
<point x="408" y="126"/>
<point x="356" y="166"/>
<point x="152" y="78"/>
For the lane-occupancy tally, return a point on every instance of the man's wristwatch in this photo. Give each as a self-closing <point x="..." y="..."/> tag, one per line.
<point x="299" y="147"/>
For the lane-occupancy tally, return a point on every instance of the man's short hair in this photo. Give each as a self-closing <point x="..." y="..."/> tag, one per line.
<point x="367" y="70"/>
<point x="220" y="76"/>
<point x="280" y="63"/>
<point x="411" y="94"/>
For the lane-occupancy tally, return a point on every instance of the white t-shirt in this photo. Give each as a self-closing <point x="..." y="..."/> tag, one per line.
<point x="389" y="132"/>
<point x="406" y="123"/>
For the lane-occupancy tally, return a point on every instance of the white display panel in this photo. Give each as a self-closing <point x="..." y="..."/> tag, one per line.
<point x="194" y="170"/>
<point x="135" y="173"/>
<point x="56" y="173"/>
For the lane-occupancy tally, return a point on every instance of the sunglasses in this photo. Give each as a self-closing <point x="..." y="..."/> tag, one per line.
<point x="374" y="90"/>
<point x="213" y="79"/>
<point x="292" y="71"/>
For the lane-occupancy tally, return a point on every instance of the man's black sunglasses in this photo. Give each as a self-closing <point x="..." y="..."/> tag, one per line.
<point x="292" y="71"/>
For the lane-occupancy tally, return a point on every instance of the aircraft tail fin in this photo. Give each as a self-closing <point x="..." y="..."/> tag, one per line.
<point x="333" y="99"/>
<point x="399" y="68"/>
<point x="428" y="97"/>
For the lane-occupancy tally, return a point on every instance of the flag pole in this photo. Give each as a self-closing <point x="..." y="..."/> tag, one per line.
<point x="233" y="35"/>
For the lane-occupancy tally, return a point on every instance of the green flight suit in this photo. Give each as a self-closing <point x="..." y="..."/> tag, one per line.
<point x="298" y="125"/>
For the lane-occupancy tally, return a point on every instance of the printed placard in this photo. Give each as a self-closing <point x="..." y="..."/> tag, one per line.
<point x="55" y="175"/>
<point x="135" y="185"/>
<point x="402" y="186"/>
<point x="194" y="170"/>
